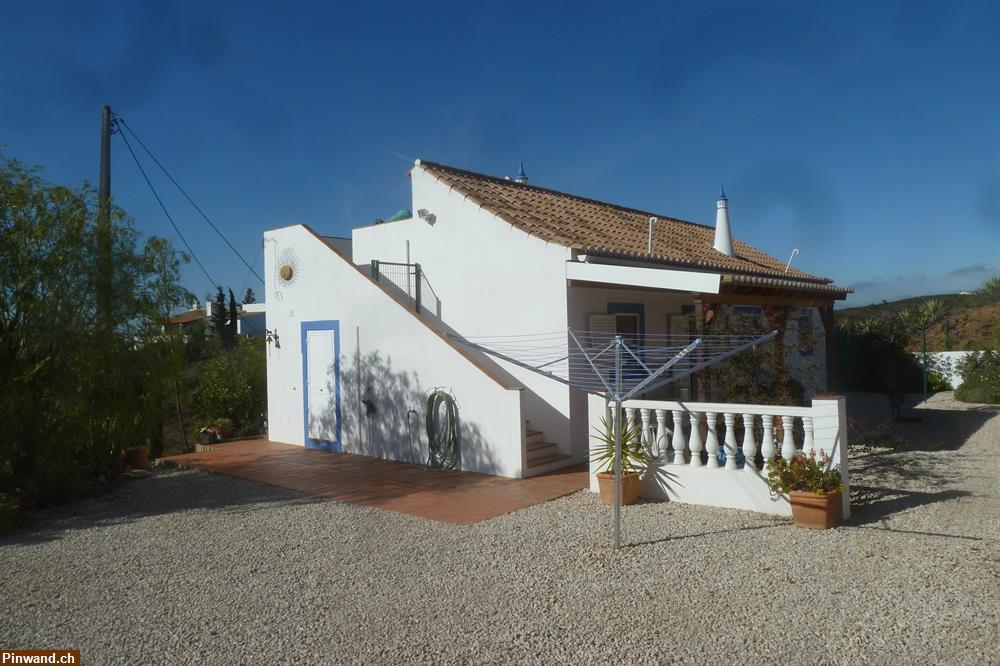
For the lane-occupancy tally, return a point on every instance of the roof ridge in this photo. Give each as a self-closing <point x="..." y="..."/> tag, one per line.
<point x="529" y="186"/>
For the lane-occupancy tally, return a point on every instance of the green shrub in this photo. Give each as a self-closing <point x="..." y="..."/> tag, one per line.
<point x="10" y="512"/>
<point x="937" y="382"/>
<point x="980" y="378"/>
<point x="233" y="385"/>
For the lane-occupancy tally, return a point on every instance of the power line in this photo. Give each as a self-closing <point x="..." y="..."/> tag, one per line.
<point x="190" y="200"/>
<point x="259" y="248"/>
<point x="165" y="211"/>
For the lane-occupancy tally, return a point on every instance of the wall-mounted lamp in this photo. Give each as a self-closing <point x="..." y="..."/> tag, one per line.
<point x="427" y="216"/>
<point x="272" y="336"/>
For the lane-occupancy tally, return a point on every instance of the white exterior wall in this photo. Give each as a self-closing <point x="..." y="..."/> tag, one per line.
<point x="491" y="279"/>
<point x="400" y="358"/>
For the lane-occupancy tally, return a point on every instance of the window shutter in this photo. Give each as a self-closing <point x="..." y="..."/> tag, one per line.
<point x="603" y="323"/>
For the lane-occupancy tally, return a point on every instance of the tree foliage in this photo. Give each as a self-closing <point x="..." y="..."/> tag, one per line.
<point x="219" y="316"/>
<point x="989" y="291"/>
<point x="73" y="395"/>
<point x="233" y="321"/>
<point x="753" y="376"/>
<point x="871" y="356"/>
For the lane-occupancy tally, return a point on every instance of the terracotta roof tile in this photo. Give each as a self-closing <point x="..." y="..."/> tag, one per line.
<point x="604" y="229"/>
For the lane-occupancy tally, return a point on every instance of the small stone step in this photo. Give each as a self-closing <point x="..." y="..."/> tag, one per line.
<point x="534" y="446"/>
<point x="545" y="460"/>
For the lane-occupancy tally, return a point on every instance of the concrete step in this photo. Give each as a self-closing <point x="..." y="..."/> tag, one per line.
<point x="546" y="459"/>
<point x="548" y="464"/>
<point x="540" y="449"/>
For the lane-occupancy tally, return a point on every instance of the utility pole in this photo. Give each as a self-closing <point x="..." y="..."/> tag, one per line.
<point x="104" y="264"/>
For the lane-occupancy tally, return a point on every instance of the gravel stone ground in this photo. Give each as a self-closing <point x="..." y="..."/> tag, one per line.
<point x="186" y="567"/>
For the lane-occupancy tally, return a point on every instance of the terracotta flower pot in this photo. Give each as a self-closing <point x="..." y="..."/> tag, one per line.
<point x="814" y="511"/>
<point x="630" y="487"/>
<point x="136" y="457"/>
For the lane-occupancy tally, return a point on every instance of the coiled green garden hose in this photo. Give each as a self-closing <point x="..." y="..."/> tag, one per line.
<point x="442" y="430"/>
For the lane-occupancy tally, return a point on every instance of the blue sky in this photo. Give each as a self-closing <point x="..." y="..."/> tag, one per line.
<point x="865" y="135"/>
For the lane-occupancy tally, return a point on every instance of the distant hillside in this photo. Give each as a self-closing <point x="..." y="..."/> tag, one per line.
<point x="967" y="324"/>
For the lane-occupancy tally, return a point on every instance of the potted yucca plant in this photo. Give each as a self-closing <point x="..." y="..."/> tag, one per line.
<point x="634" y="459"/>
<point x="813" y="487"/>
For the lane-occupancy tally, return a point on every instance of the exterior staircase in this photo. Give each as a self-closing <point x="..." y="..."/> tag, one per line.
<point x="541" y="456"/>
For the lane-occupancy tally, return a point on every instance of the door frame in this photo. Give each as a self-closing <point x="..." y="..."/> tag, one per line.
<point x="322" y="325"/>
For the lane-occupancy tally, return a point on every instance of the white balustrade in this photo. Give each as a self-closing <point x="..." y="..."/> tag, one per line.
<point x="678" y="439"/>
<point x="672" y="444"/>
<point x="711" y="440"/>
<point x="730" y="445"/>
<point x="694" y="441"/>
<point x="749" y="445"/>
<point x="661" y="433"/>
<point x="823" y="428"/>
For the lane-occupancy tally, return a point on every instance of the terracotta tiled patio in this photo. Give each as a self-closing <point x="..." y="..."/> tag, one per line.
<point x="452" y="497"/>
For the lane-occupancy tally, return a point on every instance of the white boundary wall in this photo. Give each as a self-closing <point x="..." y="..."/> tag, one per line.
<point x="402" y="359"/>
<point x="946" y="361"/>
<point x="491" y="278"/>
<point x="673" y="477"/>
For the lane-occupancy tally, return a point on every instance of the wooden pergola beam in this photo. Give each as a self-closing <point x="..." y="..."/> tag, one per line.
<point x="766" y="298"/>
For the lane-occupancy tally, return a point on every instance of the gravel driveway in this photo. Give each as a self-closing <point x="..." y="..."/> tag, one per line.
<point x="186" y="567"/>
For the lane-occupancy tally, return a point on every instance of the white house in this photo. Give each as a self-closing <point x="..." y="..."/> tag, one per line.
<point x="357" y="327"/>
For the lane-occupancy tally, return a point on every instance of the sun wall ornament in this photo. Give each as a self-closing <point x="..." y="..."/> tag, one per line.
<point x="287" y="267"/>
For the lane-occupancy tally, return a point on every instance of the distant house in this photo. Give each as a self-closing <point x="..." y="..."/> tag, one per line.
<point x="249" y="318"/>
<point x="360" y="323"/>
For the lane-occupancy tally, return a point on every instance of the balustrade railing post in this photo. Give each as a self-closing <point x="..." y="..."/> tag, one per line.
<point x="646" y="443"/>
<point x="661" y="432"/>
<point x="749" y="445"/>
<point x="694" y="440"/>
<point x="807" y="439"/>
<point x="730" y="445"/>
<point x="711" y="440"/>
<point x="767" y="443"/>
<point x="374" y="271"/>
<point x="787" y="437"/>
<point x="678" y="438"/>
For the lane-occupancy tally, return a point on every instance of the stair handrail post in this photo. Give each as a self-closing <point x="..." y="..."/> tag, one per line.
<point x="374" y="270"/>
<point x="416" y="292"/>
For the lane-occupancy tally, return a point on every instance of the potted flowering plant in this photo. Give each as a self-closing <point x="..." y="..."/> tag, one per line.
<point x="813" y="487"/>
<point x="634" y="458"/>
<point x="215" y="432"/>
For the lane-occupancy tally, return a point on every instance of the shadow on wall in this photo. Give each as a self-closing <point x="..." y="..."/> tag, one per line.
<point x="383" y="414"/>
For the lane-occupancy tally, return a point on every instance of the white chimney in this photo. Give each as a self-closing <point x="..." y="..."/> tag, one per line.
<point x="723" y="236"/>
